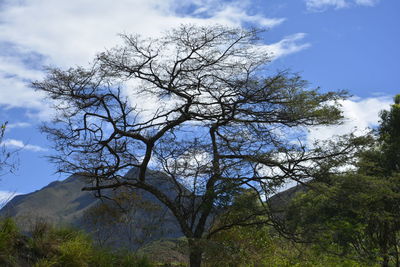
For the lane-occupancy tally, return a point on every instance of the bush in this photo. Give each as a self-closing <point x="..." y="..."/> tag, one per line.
<point x="67" y="247"/>
<point x="46" y="263"/>
<point x="75" y="252"/>
<point x="9" y="236"/>
<point x="106" y="258"/>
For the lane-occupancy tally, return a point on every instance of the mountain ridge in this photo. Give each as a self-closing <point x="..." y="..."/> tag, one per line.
<point x="63" y="203"/>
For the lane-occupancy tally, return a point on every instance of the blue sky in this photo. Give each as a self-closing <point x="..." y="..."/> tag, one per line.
<point x="334" y="44"/>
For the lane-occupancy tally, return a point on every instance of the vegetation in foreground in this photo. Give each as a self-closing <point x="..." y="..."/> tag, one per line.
<point x="240" y="246"/>
<point x="47" y="246"/>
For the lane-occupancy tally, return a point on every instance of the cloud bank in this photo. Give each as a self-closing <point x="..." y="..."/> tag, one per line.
<point x="35" y="33"/>
<point x="322" y="5"/>
<point x="359" y="115"/>
<point x="13" y="143"/>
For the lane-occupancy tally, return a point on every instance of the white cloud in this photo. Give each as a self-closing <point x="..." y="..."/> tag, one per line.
<point x="18" y="125"/>
<point x="238" y="15"/>
<point x="288" y="45"/>
<point x="70" y="33"/>
<point x="359" y="114"/>
<point x="21" y="145"/>
<point x="6" y="196"/>
<point x="367" y="2"/>
<point x="231" y="12"/>
<point x="322" y="5"/>
<point x="15" y="92"/>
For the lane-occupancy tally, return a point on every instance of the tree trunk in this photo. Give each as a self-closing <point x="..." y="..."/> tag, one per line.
<point x="384" y="244"/>
<point x="195" y="253"/>
<point x="385" y="262"/>
<point x="195" y="258"/>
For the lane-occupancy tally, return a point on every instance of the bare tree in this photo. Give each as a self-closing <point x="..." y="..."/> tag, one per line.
<point x="214" y="121"/>
<point x="129" y="218"/>
<point x="8" y="161"/>
<point x="4" y="154"/>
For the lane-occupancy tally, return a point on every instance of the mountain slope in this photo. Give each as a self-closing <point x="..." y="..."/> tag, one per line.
<point x="64" y="203"/>
<point x="59" y="202"/>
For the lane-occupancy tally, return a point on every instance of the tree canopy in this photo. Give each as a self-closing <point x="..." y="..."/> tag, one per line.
<point x="199" y="104"/>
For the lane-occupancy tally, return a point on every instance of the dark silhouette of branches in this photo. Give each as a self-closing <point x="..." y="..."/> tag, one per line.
<point x="198" y="104"/>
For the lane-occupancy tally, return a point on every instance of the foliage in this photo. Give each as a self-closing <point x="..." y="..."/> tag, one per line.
<point x="238" y="246"/>
<point x="260" y="245"/>
<point x="59" y="247"/>
<point x="389" y="137"/>
<point x="358" y="214"/>
<point x="355" y="215"/>
<point x="76" y="249"/>
<point x="9" y="236"/>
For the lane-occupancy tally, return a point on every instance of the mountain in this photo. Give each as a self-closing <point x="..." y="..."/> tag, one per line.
<point x="58" y="202"/>
<point x="280" y="200"/>
<point x="63" y="203"/>
<point x="137" y="219"/>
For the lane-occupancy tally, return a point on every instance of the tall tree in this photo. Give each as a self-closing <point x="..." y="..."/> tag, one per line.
<point x="359" y="212"/>
<point x="198" y="104"/>
<point x="389" y="135"/>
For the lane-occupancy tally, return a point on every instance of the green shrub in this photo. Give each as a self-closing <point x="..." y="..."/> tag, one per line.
<point x="9" y="236"/>
<point x="103" y="258"/>
<point x="60" y="246"/>
<point x="75" y="252"/>
<point x="41" y="243"/>
<point x="67" y="247"/>
<point x="132" y="260"/>
<point x="46" y="263"/>
<point x="122" y="258"/>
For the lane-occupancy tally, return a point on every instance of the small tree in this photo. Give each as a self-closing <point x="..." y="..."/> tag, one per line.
<point x="4" y="154"/>
<point x="7" y="161"/>
<point x="218" y="122"/>
<point x="123" y="219"/>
